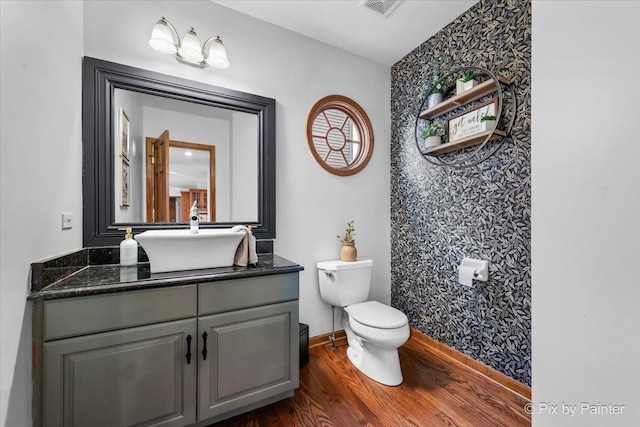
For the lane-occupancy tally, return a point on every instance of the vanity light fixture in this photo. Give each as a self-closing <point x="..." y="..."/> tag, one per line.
<point x="188" y="50"/>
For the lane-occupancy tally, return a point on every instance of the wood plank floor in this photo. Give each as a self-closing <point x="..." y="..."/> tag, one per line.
<point x="437" y="391"/>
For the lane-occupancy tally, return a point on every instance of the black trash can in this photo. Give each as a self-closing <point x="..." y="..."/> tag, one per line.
<point x="304" y="344"/>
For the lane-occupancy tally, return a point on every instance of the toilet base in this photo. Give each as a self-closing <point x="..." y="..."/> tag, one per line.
<point x="379" y="364"/>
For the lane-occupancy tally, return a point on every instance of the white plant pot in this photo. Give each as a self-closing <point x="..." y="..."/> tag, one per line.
<point x="432" y="141"/>
<point x="468" y="85"/>
<point x="434" y="99"/>
<point x="487" y="125"/>
<point x="463" y="86"/>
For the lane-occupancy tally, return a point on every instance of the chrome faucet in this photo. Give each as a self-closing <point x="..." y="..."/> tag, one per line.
<point x="194" y="220"/>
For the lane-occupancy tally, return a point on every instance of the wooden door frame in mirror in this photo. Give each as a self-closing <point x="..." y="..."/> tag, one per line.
<point x="99" y="81"/>
<point x="358" y="116"/>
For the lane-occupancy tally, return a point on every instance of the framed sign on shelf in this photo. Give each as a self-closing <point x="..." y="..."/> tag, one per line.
<point x="469" y="122"/>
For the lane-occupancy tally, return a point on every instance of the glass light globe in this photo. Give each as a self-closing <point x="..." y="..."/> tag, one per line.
<point x="162" y="39"/>
<point x="217" y="56"/>
<point x="190" y="48"/>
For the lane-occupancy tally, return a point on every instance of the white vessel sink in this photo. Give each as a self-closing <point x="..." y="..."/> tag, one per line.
<point x="177" y="250"/>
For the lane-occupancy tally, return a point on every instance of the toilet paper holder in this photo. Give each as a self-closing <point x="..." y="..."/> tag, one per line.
<point x="480" y="269"/>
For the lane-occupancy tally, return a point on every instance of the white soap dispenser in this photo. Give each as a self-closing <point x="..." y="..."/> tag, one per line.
<point x="128" y="249"/>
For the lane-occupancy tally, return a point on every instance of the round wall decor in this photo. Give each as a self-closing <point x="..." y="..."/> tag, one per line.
<point x="458" y="118"/>
<point x="339" y="135"/>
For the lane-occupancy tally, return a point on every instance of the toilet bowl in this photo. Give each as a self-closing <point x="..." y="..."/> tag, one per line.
<point x="376" y="335"/>
<point x="374" y="330"/>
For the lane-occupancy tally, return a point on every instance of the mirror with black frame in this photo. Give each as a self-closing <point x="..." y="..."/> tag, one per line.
<point x="153" y="145"/>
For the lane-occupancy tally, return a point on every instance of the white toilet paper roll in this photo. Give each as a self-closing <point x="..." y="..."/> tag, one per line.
<point x="465" y="275"/>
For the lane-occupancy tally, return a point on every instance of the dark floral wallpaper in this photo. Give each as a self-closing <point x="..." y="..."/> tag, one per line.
<point x="440" y="215"/>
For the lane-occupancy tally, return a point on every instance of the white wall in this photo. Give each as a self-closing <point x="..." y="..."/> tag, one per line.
<point x="40" y="170"/>
<point x="244" y="161"/>
<point x="586" y="211"/>
<point x="312" y="205"/>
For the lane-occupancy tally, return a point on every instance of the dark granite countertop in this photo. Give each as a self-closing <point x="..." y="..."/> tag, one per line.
<point x="52" y="279"/>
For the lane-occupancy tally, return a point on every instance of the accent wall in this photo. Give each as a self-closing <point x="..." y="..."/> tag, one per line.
<point x="439" y="215"/>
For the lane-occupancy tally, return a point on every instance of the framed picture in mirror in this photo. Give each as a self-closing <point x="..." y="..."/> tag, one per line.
<point x="124" y="134"/>
<point x="124" y="186"/>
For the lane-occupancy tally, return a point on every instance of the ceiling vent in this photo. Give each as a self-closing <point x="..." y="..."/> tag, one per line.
<point x="382" y="8"/>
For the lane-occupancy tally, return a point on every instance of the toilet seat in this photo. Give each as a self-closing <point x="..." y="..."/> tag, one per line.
<point x="377" y="315"/>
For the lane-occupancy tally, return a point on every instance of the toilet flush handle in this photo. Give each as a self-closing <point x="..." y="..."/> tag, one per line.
<point x="329" y="274"/>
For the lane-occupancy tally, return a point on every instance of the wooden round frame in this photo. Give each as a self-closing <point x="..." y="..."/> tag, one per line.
<point x="361" y="121"/>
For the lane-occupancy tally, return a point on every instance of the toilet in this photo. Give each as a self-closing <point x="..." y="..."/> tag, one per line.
<point x="374" y="331"/>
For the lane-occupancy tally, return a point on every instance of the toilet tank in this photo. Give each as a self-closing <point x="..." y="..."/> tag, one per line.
<point x="344" y="283"/>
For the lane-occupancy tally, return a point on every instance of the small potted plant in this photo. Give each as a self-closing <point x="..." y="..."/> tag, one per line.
<point x="433" y="135"/>
<point x="467" y="81"/>
<point x="348" y="252"/>
<point x="487" y="123"/>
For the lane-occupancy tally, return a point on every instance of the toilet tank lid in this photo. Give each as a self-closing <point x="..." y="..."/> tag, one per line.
<point x="343" y="265"/>
<point x="377" y="315"/>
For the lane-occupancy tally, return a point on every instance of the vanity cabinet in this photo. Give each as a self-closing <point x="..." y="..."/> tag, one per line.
<point x="249" y="357"/>
<point x="129" y="377"/>
<point x="171" y="356"/>
<point x="251" y="342"/>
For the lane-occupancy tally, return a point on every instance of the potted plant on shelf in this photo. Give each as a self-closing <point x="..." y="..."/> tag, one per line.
<point x="467" y="81"/>
<point x="432" y="135"/>
<point x="348" y="252"/>
<point x="487" y="123"/>
<point x="438" y="87"/>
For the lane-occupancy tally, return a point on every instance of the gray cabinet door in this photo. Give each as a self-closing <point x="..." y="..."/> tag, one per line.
<point x="132" y="377"/>
<point x="251" y="355"/>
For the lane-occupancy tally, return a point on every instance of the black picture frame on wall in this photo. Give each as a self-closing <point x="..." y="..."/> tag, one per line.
<point x="100" y="80"/>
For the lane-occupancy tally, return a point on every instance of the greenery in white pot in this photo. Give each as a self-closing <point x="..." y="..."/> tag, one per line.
<point x="487" y="123"/>
<point x="437" y="88"/>
<point x="467" y="81"/>
<point x="433" y="135"/>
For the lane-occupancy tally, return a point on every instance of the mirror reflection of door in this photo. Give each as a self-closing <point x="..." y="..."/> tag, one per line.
<point x="173" y="186"/>
<point x="158" y="178"/>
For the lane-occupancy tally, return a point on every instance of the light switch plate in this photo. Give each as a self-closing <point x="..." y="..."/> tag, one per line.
<point x="67" y="221"/>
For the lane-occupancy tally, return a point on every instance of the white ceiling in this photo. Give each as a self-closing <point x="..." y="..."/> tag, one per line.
<point x="344" y="24"/>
